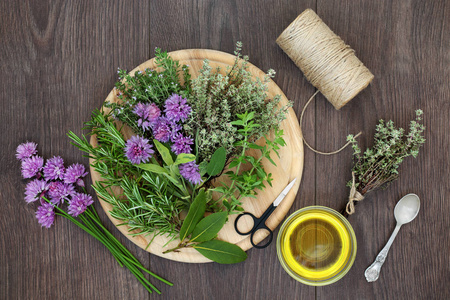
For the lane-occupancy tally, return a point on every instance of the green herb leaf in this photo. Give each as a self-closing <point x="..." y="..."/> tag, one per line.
<point x="221" y="252"/>
<point x="153" y="168"/>
<point x="208" y="227"/>
<point x="165" y="153"/>
<point x="183" y="158"/>
<point x="194" y="215"/>
<point x="202" y="167"/>
<point x="217" y="162"/>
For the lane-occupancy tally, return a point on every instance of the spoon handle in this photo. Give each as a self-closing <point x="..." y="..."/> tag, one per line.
<point x="373" y="271"/>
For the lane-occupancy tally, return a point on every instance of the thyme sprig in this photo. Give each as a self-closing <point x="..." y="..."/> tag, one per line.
<point x="378" y="166"/>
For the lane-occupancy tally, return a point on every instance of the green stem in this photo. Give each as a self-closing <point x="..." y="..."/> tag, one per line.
<point x="90" y="223"/>
<point x="114" y="246"/>
<point x="130" y="256"/>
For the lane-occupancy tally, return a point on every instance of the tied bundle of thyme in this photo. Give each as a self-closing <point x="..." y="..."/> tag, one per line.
<point x="378" y="166"/>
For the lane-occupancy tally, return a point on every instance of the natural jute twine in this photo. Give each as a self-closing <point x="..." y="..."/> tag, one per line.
<point x="353" y="197"/>
<point x="326" y="61"/>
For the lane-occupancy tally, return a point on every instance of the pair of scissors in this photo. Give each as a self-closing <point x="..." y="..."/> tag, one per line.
<point x="260" y="223"/>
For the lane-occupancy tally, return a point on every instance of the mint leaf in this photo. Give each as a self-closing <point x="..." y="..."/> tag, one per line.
<point x="221" y="252"/>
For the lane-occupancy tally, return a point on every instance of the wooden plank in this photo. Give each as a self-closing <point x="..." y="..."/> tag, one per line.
<point x="404" y="44"/>
<point x="59" y="61"/>
<point x="218" y="25"/>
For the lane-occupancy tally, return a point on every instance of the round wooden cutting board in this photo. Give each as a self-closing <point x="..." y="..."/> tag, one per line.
<point x="289" y="166"/>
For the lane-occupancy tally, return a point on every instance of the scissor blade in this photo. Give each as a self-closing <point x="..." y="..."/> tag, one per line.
<point x="284" y="193"/>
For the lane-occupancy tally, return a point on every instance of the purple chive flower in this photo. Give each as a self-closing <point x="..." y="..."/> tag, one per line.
<point x="162" y="130"/>
<point x="45" y="214"/>
<point x="138" y="149"/>
<point x="175" y="129"/>
<point x="54" y="168"/>
<point x="79" y="203"/>
<point x="176" y="108"/>
<point x="190" y="172"/>
<point x="182" y="144"/>
<point x="35" y="190"/>
<point x="74" y="173"/>
<point x="59" y="191"/>
<point x="31" y="166"/>
<point x="149" y="114"/>
<point x="26" y="150"/>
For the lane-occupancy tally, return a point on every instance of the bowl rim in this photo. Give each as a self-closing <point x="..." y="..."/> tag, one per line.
<point x="348" y="264"/>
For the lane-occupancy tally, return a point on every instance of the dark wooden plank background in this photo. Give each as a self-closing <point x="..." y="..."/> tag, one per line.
<point x="58" y="61"/>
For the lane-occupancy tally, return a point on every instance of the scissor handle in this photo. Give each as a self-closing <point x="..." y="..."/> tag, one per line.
<point x="261" y="227"/>
<point x="255" y="220"/>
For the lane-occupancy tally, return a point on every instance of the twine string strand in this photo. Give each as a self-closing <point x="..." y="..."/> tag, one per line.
<point x="304" y="140"/>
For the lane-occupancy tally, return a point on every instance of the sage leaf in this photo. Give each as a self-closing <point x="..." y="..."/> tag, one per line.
<point x="183" y="158"/>
<point x="175" y="181"/>
<point x="165" y="153"/>
<point x="208" y="227"/>
<point x="221" y="252"/>
<point x="153" y="168"/>
<point x="195" y="214"/>
<point x="202" y="167"/>
<point x="217" y="162"/>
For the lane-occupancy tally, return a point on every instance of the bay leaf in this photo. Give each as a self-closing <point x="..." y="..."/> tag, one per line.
<point x="195" y="214"/>
<point x="217" y="162"/>
<point x="221" y="252"/>
<point x="208" y="227"/>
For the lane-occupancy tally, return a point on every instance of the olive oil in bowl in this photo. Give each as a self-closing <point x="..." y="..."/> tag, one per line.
<point x="316" y="245"/>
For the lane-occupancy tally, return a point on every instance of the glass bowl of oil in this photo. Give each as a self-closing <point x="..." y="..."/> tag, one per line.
<point x="316" y="245"/>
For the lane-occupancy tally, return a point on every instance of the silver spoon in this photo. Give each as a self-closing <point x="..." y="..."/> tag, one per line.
<point x="405" y="211"/>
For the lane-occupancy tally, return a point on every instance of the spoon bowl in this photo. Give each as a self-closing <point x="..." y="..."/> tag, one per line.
<point x="407" y="209"/>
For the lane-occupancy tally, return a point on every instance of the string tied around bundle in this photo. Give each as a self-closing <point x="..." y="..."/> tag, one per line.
<point x="353" y="197"/>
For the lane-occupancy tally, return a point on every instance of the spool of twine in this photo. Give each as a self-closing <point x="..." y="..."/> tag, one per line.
<point x="326" y="61"/>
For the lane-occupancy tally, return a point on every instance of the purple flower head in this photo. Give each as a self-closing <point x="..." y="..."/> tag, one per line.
<point x="182" y="144"/>
<point x="162" y="130"/>
<point x="35" y="190"/>
<point x="54" y="168"/>
<point x="176" y="108"/>
<point x="59" y="191"/>
<point x="26" y="150"/>
<point x="190" y="172"/>
<point x="138" y="149"/>
<point x="175" y="129"/>
<point x="149" y="114"/>
<point x="31" y="166"/>
<point x="45" y="215"/>
<point x="74" y="173"/>
<point x="79" y="203"/>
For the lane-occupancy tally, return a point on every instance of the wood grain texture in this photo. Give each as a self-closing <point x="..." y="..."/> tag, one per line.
<point x="58" y="61"/>
<point x="404" y="45"/>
